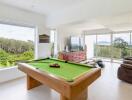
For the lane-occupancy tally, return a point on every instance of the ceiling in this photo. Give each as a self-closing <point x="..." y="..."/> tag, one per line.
<point x="81" y="14"/>
<point x="122" y="22"/>
<point x="41" y="6"/>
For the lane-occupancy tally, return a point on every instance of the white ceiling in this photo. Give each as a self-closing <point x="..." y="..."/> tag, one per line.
<point x="122" y="22"/>
<point x="41" y="6"/>
<point x="82" y="14"/>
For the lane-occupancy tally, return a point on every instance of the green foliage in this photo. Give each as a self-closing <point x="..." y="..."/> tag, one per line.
<point x="120" y="49"/>
<point x="28" y="55"/>
<point x="7" y="59"/>
<point x="15" y="46"/>
<point x="122" y="44"/>
<point x="105" y="51"/>
<point x="3" y="57"/>
<point x="14" y="50"/>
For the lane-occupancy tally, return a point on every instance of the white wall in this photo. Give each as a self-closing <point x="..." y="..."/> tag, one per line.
<point x="90" y="40"/>
<point x="9" y="74"/>
<point x="44" y="50"/>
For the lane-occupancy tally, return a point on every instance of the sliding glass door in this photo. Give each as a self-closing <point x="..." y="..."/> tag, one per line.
<point x="121" y="45"/>
<point x="110" y="47"/>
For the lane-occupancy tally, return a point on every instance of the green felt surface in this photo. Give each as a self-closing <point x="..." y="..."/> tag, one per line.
<point x="67" y="71"/>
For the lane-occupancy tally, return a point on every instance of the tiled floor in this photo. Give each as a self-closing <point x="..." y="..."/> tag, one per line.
<point x="107" y="87"/>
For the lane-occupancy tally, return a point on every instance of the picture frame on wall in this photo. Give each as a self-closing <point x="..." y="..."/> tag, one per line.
<point x="44" y="38"/>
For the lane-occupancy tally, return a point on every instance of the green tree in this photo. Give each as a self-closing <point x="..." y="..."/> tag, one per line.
<point x="13" y="50"/>
<point x="15" y="46"/>
<point x="28" y="55"/>
<point x="121" y="44"/>
<point x="3" y="57"/>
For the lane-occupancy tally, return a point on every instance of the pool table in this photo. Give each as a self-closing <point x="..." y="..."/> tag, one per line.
<point x="71" y="80"/>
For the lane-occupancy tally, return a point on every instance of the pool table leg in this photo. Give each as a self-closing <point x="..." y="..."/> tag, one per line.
<point x="32" y="83"/>
<point x="81" y="96"/>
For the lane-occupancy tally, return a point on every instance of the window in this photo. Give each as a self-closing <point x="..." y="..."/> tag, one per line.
<point x="110" y="46"/>
<point x="16" y="44"/>
<point x="121" y="45"/>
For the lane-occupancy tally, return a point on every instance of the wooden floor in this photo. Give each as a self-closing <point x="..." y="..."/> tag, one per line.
<point x="107" y="87"/>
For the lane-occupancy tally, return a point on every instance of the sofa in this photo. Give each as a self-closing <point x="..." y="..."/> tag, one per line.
<point x="125" y="70"/>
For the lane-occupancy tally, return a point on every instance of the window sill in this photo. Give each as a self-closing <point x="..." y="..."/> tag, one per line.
<point x="6" y="68"/>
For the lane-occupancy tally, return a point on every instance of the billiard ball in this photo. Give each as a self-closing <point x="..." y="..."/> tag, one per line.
<point x="55" y="65"/>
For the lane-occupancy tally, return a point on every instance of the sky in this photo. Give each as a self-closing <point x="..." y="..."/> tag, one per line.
<point x="107" y="38"/>
<point x="17" y="32"/>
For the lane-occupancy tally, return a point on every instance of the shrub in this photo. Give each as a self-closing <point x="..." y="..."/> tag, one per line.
<point x="7" y="59"/>
<point x="3" y="57"/>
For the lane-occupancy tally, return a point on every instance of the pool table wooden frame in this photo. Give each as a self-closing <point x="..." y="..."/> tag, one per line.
<point x="76" y="90"/>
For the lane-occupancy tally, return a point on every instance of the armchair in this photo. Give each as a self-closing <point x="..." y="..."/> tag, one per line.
<point x="125" y="70"/>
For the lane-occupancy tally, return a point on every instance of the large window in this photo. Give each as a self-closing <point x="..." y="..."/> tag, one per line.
<point x="112" y="46"/>
<point x="16" y="44"/>
<point x="121" y="45"/>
